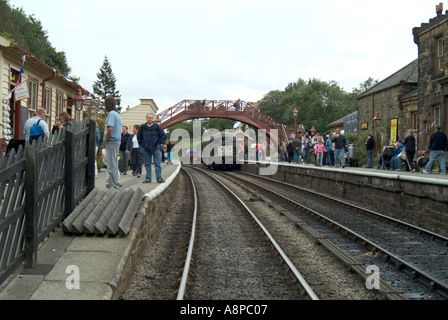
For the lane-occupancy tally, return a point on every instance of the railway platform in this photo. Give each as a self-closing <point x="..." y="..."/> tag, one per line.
<point x="94" y="267"/>
<point x="86" y="267"/>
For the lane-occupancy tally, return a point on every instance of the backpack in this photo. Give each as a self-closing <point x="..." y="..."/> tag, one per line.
<point x="36" y="131"/>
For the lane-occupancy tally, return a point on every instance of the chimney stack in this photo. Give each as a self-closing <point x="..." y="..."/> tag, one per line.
<point x="439" y="9"/>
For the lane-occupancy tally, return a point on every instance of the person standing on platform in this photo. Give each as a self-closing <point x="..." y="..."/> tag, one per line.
<point x="97" y="143"/>
<point x="112" y="139"/>
<point x="151" y="137"/>
<point x="297" y="144"/>
<point x="124" y="158"/>
<point x="370" y="144"/>
<point x="64" y="122"/>
<point x="339" y="148"/>
<point x="290" y="151"/>
<point x="330" y="153"/>
<point x="409" y="144"/>
<point x="135" y="153"/>
<point x="283" y="150"/>
<point x="319" y="150"/>
<point x="169" y="152"/>
<point x="438" y="143"/>
<point x="306" y="142"/>
<point x="39" y="117"/>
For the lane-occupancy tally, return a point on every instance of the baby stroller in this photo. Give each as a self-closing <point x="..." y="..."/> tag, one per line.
<point x="422" y="162"/>
<point x="385" y="158"/>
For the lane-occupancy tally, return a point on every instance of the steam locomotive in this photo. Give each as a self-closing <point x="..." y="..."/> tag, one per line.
<point x="221" y="152"/>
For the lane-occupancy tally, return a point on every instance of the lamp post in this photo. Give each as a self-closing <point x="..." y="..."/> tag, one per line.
<point x="79" y="103"/>
<point x="79" y="100"/>
<point x="295" y="112"/>
<point x="377" y="119"/>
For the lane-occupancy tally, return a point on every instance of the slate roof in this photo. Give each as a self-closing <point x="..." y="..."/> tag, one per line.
<point x="341" y="121"/>
<point x="408" y="74"/>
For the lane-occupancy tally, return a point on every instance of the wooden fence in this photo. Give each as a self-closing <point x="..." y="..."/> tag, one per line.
<point x="40" y="185"/>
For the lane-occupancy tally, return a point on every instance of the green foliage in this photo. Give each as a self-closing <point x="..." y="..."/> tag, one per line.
<point x="106" y="83"/>
<point x="186" y="125"/>
<point x="319" y="103"/>
<point x="366" y="85"/>
<point x="219" y="124"/>
<point x="27" y="32"/>
<point x="359" y="142"/>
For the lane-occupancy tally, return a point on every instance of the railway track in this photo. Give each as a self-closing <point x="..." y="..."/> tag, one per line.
<point x="228" y="257"/>
<point x="410" y="260"/>
<point x="204" y="251"/>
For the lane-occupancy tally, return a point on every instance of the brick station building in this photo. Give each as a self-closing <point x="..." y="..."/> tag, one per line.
<point x="416" y="96"/>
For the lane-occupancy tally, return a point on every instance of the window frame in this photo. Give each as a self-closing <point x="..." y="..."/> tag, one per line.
<point x="33" y="99"/>
<point x="439" y="55"/>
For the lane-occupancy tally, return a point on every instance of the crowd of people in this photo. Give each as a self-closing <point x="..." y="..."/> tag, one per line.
<point x="404" y="153"/>
<point x="148" y="144"/>
<point x="303" y="145"/>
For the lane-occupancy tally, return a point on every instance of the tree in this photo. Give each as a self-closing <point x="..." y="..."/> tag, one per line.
<point x="27" y="32"/>
<point x="364" y="86"/>
<point x="271" y="104"/>
<point x="105" y="85"/>
<point x="220" y="124"/>
<point x="319" y="103"/>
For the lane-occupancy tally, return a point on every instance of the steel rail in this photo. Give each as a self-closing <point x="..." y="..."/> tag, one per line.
<point x="183" y="282"/>
<point x="371" y="213"/>
<point x="309" y="293"/>
<point x="416" y="273"/>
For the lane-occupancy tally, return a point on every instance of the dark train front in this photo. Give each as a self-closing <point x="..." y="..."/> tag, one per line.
<point x="221" y="153"/>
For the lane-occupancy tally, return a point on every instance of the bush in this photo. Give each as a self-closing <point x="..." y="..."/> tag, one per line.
<point x="359" y="143"/>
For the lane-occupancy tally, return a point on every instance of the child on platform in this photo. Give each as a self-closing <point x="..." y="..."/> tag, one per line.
<point x="320" y="149"/>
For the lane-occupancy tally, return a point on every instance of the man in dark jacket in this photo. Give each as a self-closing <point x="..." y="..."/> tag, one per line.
<point x="370" y="144"/>
<point x="437" y="144"/>
<point x="151" y="137"/>
<point x="339" y="148"/>
<point x="297" y="144"/>
<point x="123" y="164"/>
<point x="409" y="144"/>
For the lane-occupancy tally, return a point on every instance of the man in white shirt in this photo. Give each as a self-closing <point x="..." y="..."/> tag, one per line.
<point x="40" y="115"/>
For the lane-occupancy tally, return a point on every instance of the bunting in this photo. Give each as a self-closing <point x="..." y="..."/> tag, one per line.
<point x="390" y="141"/>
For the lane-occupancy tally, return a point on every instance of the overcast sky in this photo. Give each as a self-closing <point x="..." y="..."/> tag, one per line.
<point x="173" y="50"/>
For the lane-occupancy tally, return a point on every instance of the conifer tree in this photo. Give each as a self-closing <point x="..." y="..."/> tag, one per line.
<point x="105" y="85"/>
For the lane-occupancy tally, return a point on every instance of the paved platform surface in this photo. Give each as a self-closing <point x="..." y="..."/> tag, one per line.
<point x="434" y="177"/>
<point x="96" y="261"/>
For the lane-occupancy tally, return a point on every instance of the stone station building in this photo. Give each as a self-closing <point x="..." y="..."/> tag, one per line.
<point x="416" y="96"/>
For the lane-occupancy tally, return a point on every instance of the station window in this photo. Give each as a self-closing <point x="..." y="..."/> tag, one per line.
<point x="32" y="102"/>
<point x="436" y="113"/>
<point x="414" y="120"/>
<point x="59" y="103"/>
<point x="439" y="55"/>
<point x="48" y="99"/>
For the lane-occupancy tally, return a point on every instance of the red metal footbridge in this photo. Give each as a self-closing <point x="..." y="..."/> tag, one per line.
<point x="236" y="110"/>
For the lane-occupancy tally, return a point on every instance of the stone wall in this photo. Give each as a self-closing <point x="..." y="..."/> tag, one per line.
<point x="418" y="200"/>
<point x="388" y="104"/>
<point x="433" y="83"/>
<point x="144" y="231"/>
